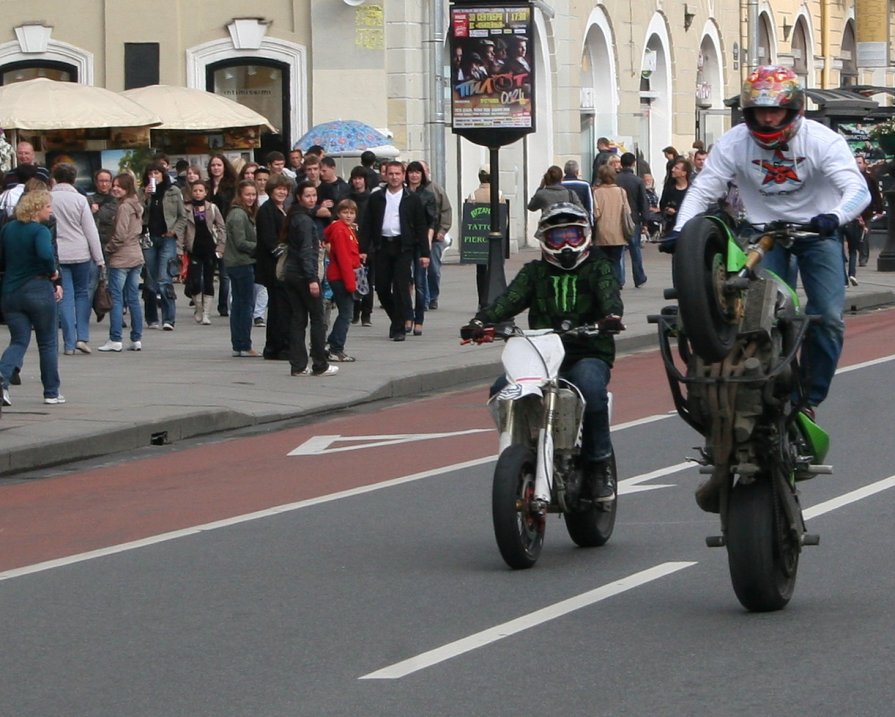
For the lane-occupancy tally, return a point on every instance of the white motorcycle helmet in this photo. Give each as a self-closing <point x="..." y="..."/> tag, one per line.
<point x="564" y="235"/>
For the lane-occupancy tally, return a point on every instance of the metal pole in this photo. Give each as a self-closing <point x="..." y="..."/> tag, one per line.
<point x="886" y="259"/>
<point x="436" y="91"/>
<point x="753" y="34"/>
<point x="497" y="282"/>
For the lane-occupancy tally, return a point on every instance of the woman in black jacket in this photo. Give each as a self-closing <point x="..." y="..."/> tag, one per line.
<point x="303" y="287"/>
<point x="270" y="222"/>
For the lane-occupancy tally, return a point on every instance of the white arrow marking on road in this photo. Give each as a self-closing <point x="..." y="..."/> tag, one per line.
<point x="539" y="617"/>
<point x="632" y="485"/>
<point x="321" y="444"/>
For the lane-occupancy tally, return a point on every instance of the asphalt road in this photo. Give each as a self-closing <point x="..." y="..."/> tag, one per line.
<point x="393" y="600"/>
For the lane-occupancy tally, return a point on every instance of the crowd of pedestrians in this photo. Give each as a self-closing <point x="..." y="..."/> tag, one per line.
<point x="288" y="246"/>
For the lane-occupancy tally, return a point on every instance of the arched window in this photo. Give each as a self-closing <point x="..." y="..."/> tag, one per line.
<point x="848" y="75"/>
<point x="260" y="84"/>
<point x="764" y="41"/>
<point x="801" y="51"/>
<point x="29" y="70"/>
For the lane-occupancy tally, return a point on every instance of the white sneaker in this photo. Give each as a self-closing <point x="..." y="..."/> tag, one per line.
<point x="82" y="347"/>
<point x="852" y="281"/>
<point x="135" y="346"/>
<point x="330" y="370"/>
<point x="111" y="346"/>
<point x="6" y="399"/>
<point x="168" y="326"/>
<point x="54" y="400"/>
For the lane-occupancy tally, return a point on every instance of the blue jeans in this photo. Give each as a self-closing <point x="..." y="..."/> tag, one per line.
<point x="158" y="280"/>
<point x="124" y="286"/>
<point x="434" y="271"/>
<point x="636" y="258"/>
<point x="820" y="267"/>
<point x="417" y="313"/>
<point x="615" y="255"/>
<point x="34" y="304"/>
<point x="345" y="303"/>
<point x="77" y="302"/>
<point x="242" y="304"/>
<point x="591" y="376"/>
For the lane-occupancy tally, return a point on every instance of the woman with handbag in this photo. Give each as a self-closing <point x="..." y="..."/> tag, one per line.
<point x="610" y="208"/>
<point x="344" y="261"/>
<point x="30" y="294"/>
<point x="125" y="265"/>
<point x="204" y="239"/>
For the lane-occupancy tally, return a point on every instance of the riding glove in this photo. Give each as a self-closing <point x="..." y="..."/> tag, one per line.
<point x="668" y="243"/>
<point x="825" y="224"/>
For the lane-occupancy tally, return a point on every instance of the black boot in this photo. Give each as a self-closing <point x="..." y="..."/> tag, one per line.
<point x="602" y="481"/>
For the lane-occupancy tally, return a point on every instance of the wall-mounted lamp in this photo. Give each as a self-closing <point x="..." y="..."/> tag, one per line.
<point x="688" y="18"/>
<point x="787" y="28"/>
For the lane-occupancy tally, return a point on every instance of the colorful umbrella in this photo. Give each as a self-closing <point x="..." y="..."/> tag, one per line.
<point x="341" y="137"/>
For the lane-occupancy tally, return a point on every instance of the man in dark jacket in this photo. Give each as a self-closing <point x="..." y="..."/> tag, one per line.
<point x="637" y="200"/>
<point x="395" y="227"/>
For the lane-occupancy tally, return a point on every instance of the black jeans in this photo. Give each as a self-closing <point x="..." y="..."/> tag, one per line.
<point x="306" y="308"/>
<point x="393" y="275"/>
<point x="279" y="318"/>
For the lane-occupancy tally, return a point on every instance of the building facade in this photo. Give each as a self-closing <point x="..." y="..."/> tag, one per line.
<point x="645" y="74"/>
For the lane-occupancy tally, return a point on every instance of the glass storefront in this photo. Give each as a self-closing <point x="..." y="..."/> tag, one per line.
<point x="262" y="87"/>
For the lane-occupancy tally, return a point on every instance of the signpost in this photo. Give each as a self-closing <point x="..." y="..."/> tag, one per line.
<point x="492" y="94"/>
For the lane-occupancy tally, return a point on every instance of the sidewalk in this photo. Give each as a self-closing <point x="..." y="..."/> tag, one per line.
<point x="185" y="383"/>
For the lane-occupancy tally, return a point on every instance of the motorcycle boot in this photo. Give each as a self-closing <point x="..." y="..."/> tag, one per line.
<point x="602" y="481"/>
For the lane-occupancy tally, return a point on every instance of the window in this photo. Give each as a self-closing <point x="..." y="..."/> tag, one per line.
<point x="260" y="85"/>
<point x="21" y="71"/>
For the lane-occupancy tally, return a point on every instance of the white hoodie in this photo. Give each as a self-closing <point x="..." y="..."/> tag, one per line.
<point x="815" y="174"/>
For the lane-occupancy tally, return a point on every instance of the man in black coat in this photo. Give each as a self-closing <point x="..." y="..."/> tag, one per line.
<point x="639" y="203"/>
<point x="395" y="228"/>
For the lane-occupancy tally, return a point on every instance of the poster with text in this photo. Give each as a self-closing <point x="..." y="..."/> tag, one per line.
<point x="492" y="81"/>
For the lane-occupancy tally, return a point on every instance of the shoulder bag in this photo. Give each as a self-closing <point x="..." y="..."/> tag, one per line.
<point x="628" y="227"/>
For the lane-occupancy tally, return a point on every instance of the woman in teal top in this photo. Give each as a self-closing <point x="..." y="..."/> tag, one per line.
<point x="29" y="297"/>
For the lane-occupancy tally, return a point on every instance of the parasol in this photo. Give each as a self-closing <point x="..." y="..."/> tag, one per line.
<point x="186" y="108"/>
<point x="44" y="104"/>
<point x="347" y="137"/>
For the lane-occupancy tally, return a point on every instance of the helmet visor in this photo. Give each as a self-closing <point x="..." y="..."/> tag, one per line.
<point x="557" y="238"/>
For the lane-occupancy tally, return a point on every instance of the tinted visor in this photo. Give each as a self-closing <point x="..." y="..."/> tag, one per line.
<point x="560" y="237"/>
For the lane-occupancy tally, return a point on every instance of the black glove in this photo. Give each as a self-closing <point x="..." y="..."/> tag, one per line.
<point x="473" y="331"/>
<point x="668" y="243"/>
<point x="825" y="224"/>
<point x="611" y="324"/>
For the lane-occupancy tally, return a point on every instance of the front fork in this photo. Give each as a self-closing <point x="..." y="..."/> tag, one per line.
<point x="545" y="449"/>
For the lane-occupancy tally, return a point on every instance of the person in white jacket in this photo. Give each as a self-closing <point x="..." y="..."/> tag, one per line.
<point x="794" y="169"/>
<point x="80" y="254"/>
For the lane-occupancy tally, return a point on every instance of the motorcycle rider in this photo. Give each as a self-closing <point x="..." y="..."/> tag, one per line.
<point x="569" y="286"/>
<point x="794" y="169"/>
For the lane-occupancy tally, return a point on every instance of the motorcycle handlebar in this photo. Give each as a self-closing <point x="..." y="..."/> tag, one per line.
<point x="488" y="333"/>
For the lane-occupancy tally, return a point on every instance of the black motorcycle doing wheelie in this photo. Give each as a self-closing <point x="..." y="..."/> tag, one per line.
<point x="539" y="418"/>
<point x="735" y="379"/>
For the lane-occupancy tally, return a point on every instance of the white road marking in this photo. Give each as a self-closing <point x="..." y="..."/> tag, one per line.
<point x="850" y="497"/>
<point x="865" y="364"/>
<point x="642" y="421"/>
<point x="321" y="444"/>
<point x="632" y="485"/>
<point x="525" y="622"/>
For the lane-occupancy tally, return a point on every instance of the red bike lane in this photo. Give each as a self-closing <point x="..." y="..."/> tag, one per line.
<point x="55" y="517"/>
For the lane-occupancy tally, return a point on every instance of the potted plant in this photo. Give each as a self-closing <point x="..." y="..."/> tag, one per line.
<point x="884" y="133"/>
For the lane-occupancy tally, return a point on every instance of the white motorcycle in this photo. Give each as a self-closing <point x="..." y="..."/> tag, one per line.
<point x="539" y="417"/>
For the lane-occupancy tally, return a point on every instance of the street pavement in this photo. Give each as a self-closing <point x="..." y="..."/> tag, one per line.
<point x="185" y="383"/>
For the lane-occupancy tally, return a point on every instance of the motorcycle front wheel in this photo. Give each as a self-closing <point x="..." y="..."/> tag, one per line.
<point x="518" y="531"/>
<point x="592" y="527"/>
<point x="762" y="558"/>
<point x="699" y="271"/>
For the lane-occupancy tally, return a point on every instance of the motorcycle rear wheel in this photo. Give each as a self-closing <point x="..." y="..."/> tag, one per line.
<point x="592" y="527"/>
<point x="762" y="559"/>
<point x="519" y="532"/>
<point x="699" y="270"/>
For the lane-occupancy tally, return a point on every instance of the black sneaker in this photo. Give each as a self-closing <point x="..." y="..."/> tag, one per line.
<point x="16" y="378"/>
<point x="603" y="486"/>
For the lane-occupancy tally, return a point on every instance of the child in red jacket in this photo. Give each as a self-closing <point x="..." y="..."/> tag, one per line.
<point x="344" y="258"/>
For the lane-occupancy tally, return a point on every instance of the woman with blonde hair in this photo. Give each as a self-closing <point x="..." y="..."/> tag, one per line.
<point x="610" y="204"/>
<point x="30" y="294"/>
